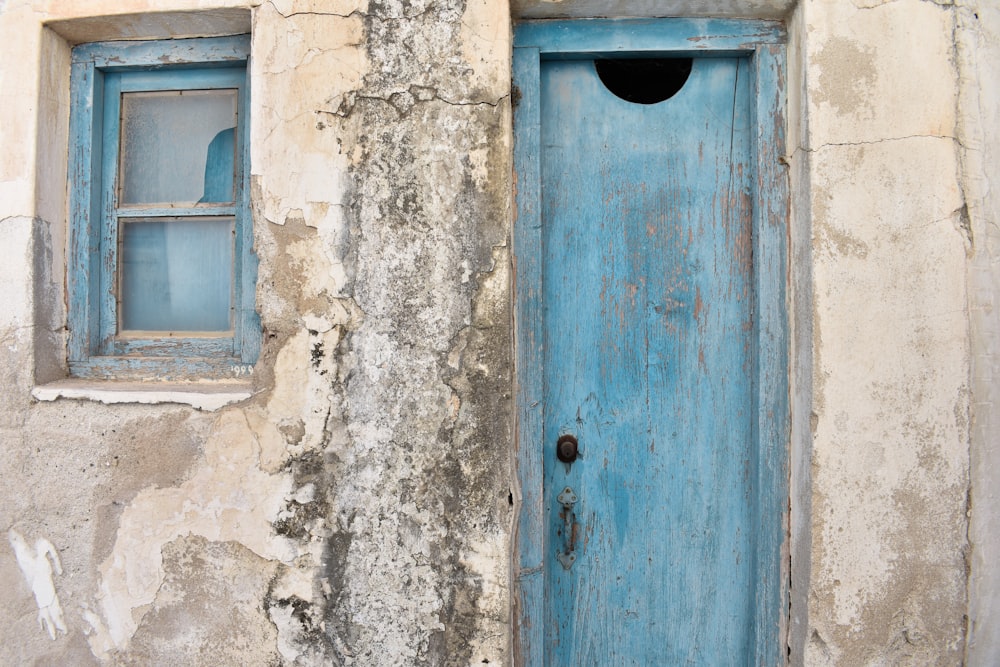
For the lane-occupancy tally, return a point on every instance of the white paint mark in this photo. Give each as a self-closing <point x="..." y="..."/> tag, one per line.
<point x="37" y="569"/>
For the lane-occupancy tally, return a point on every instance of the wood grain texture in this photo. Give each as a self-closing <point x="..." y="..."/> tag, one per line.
<point x="529" y="611"/>
<point x="86" y="84"/>
<point x="564" y="38"/>
<point x="650" y="307"/>
<point x="647" y="269"/>
<point x="112" y="56"/>
<point x="773" y="424"/>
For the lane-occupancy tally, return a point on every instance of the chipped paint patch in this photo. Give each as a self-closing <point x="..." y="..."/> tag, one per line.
<point x="230" y="498"/>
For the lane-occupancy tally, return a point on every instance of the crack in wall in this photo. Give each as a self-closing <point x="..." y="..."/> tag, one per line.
<point x="355" y="13"/>
<point x="404" y="101"/>
<point x="872" y="142"/>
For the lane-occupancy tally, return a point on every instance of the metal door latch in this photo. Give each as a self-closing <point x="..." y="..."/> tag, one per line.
<point x="567" y="448"/>
<point x="567" y="554"/>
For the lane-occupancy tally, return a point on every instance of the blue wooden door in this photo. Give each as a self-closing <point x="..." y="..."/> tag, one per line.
<point x="647" y="290"/>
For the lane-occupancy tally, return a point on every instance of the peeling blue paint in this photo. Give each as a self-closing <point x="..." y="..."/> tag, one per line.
<point x="100" y="73"/>
<point x="650" y="323"/>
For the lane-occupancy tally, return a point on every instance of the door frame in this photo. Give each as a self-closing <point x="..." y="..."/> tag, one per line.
<point x="763" y="43"/>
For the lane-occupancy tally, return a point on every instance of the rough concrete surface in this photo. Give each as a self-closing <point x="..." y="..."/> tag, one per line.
<point x="355" y="511"/>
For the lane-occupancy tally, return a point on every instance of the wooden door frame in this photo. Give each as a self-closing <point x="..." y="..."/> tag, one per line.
<point x="763" y="43"/>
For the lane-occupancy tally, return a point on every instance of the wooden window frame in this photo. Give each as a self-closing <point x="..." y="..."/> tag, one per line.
<point x="95" y="349"/>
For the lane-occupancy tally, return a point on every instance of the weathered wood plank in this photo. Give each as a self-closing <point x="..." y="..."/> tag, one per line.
<point x="156" y="211"/>
<point x="704" y="396"/>
<point x="106" y="227"/>
<point x="717" y="36"/>
<point x="529" y="357"/>
<point x="771" y="231"/>
<point x="160" y="368"/>
<point x="86" y="83"/>
<point x="647" y="286"/>
<point x="166" y="52"/>
<point x="247" y="334"/>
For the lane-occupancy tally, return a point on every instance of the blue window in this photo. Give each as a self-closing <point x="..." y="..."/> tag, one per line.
<point x="161" y="268"/>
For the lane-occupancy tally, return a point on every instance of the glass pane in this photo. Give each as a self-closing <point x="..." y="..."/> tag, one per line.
<point x="176" y="275"/>
<point x="178" y="146"/>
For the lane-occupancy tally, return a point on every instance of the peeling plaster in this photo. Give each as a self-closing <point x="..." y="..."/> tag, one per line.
<point x="229" y="499"/>
<point x="847" y="73"/>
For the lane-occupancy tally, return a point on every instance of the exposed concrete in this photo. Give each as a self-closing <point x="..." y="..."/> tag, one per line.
<point x="84" y="464"/>
<point x="418" y="574"/>
<point x="208" y="609"/>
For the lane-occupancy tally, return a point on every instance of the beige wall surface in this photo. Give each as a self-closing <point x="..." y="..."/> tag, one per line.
<point x="978" y="38"/>
<point x="889" y="463"/>
<point x="357" y="508"/>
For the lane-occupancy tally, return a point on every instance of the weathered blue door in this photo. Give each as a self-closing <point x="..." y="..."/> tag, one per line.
<point x="646" y="234"/>
<point x="650" y="498"/>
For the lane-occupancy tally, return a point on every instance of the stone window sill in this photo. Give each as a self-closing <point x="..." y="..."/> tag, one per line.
<point x="201" y="396"/>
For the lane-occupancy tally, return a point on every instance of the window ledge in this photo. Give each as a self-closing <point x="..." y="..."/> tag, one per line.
<point x="207" y="396"/>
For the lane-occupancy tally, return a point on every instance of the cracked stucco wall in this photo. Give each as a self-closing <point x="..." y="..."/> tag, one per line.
<point x="887" y="486"/>
<point x="357" y="509"/>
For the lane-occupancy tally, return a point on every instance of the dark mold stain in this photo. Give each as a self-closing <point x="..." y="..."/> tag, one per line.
<point x="299" y="518"/>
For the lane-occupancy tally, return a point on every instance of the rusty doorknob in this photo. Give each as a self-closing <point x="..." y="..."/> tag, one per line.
<point x="567" y="448"/>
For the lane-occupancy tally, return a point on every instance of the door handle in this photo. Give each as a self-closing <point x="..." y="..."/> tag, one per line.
<point x="567" y="448"/>
<point x="566" y="554"/>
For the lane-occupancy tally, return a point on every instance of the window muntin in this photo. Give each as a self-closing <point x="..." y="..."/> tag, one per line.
<point x="162" y="272"/>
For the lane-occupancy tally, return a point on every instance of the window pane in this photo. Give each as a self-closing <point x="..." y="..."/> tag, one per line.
<point x="178" y="146"/>
<point x="177" y="275"/>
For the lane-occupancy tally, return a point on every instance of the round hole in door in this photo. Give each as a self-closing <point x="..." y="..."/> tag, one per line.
<point x="644" y="80"/>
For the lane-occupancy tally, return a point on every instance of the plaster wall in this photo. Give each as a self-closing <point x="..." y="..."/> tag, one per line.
<point x="978" y="32"/>
<point x="356" y="509"/>
<point x="889" y="447"/>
